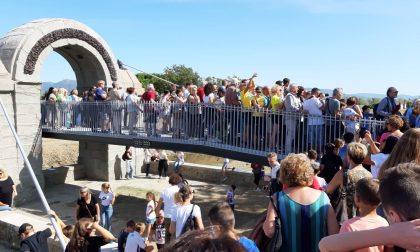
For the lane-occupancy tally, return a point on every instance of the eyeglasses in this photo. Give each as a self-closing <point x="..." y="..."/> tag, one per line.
<point x="82" y="192"/>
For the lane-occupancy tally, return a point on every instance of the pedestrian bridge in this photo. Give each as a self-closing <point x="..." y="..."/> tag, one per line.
<point x="230" y="132"/>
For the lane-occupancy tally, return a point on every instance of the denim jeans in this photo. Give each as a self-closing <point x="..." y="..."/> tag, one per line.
<point x="129" y="169"/>
<point x="5" y="208"/>
<point x="106" y="214"/>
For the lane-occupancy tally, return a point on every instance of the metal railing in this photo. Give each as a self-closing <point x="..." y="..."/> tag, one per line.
<point x="251" y="130"/>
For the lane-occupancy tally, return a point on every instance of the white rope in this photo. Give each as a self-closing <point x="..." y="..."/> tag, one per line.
<point x="157" y="77"/>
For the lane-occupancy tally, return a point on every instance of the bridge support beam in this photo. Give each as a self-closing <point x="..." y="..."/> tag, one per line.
<point x="98" y="161"/>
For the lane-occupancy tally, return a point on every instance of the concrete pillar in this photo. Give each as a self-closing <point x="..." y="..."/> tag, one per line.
<point x="98" y="161"/>
<point x="23" y="107"/>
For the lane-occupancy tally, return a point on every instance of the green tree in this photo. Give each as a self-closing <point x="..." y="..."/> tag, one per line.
<point x="180" y="74"/>
<point x="146" y="79"/>
<point x="362" y="101"/>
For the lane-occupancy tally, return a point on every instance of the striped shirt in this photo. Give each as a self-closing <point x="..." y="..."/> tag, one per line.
<point x="303" y="226"/>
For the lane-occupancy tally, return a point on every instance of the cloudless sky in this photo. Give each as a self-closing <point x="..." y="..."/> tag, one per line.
<point x="360" y="45"/>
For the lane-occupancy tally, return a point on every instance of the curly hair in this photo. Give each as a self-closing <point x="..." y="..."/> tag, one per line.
<point x="395" y="121"/>
<point x="296" y="170"/>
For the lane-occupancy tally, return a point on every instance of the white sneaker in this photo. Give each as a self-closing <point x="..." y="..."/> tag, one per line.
<point x="224" y="179"/>
<point x="258" y="189"/>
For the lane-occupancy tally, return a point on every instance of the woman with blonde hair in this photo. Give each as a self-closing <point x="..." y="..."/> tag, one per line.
<point x="346" y="179"/>
<point x="83" y="238"/>
<point x="406" y="150"/>
<point x="107" y="198"/>
<point x="7" y="190"/>
<point x="301" y="209"/>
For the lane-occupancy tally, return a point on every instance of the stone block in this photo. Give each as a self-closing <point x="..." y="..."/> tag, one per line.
<point x="55" y="176"/>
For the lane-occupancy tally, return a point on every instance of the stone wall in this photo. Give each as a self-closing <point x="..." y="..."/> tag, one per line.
<point x="206" y="173"/>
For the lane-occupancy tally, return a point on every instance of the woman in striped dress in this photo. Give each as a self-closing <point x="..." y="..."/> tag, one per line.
<point x="306" y="214"/>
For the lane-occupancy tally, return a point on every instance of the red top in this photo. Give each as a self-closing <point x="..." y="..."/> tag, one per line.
<point x="200" y="92"/>
<point x="149" y="95"/>
<point x="315" y="185"/>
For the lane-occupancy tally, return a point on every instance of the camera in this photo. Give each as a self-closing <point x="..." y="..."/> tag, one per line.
<point x="362" y="132"/>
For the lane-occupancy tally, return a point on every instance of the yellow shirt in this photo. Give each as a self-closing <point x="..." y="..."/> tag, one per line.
<point x="246" y="98"/>
<point x="261" y="103"/>
<point x="276" y="100"/>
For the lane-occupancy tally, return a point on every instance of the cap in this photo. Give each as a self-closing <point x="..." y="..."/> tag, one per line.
<point x="24" y="227"/>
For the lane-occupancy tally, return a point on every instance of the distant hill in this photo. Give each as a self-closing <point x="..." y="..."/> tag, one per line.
<point x="370" y="96"/>
<point x="67" y="84"/>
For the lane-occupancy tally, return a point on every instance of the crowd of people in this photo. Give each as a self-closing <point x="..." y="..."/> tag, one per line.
<point x="354" y="192"/>
<point x="313" y="206"/>
<point x="283" y="118"/>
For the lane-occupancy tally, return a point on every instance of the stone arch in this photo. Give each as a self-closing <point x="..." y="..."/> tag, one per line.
<point x="22" y="53"/>
<point x="24" y="49"/>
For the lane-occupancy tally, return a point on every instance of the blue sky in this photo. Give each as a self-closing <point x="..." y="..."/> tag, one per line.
<point x="360" y="45"/>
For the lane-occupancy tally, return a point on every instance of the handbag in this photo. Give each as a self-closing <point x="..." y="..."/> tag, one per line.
<point x="190" y="223"/>
<point x="340" y="206"/>
<point x="258" y="235"/>
<point x="277" y="239"/>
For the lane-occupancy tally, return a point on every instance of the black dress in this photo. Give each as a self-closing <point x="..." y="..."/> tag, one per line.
<point x="6" y="191"/>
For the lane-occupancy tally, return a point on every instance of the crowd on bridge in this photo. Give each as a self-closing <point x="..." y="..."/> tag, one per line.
<point x="283" y="118"/>
<point x="355" y="193"/>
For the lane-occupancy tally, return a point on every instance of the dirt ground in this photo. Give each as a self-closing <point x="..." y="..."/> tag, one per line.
<point x="131" y="203"/>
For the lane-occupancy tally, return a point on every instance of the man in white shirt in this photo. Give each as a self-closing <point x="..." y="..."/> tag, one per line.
<point x="275" y="167"/>
<point x="313" y="107"/>
<point x="167" y="197"/>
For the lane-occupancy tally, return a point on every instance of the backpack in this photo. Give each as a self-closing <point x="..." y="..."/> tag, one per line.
<point x="375" y="113"/>
<point x="189" y="223"/>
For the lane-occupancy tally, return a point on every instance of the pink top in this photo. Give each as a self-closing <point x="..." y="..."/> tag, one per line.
<point x="385" y="135"/>
<point x="364" y="223"/>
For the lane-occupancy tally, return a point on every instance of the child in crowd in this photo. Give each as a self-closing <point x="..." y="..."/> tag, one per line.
<point x="230" y="197"/>
<point x="321" y="181"/>
<point x="367" y="200"/>
<point x="122" y="237"/>
<point x="150" y="212"/>
<point x="338" y="143"/>
<point x="399" y="192"/>
<point x="160" y="231"/>
<point x="179" y="161"/>
<point x="222" y="220"/>
<point x="135" y="239"/>
<point x="351" y="113"/>
<point x="330" y="163"/>
<point x="348" y="139"/>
